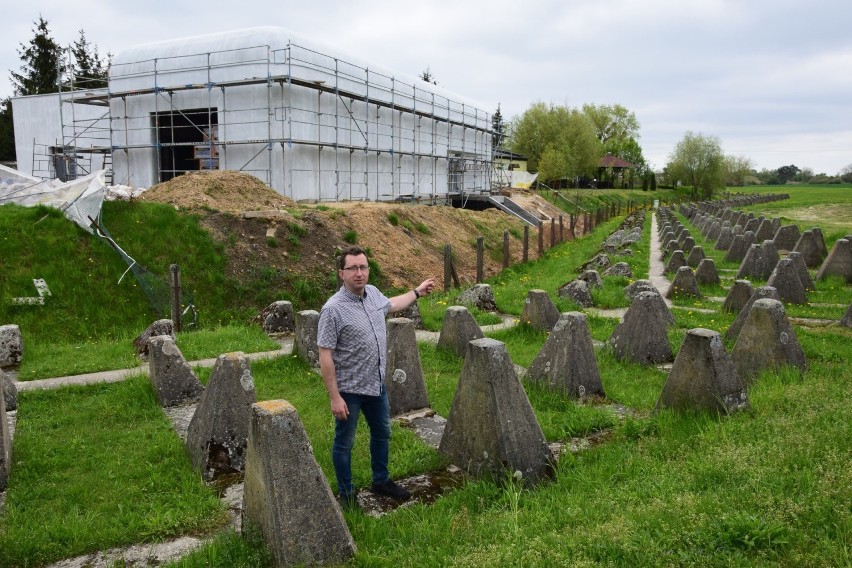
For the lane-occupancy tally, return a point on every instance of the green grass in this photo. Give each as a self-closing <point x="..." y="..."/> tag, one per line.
<point x="825" y="206"/>
<point x="98" y="467"/>
<point x="770" y="486"/>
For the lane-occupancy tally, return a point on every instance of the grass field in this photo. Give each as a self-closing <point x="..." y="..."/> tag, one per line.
<point x="826" y="206"/>
<point x="97" y="467"/>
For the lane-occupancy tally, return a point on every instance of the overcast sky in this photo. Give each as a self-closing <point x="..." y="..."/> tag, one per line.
<point x="771" y="79"/>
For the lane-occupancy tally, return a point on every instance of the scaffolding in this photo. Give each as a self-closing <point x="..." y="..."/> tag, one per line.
<point x="310" y="125"/>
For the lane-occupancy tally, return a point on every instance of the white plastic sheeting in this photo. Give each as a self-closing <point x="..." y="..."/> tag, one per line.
<point x="78" y="199"/>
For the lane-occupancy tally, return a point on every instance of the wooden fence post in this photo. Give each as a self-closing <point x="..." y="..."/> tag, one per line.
<point x="552" y="232"/>
<point x="480" y="253"/>
<point x="174" y="285"/>
<point x="561" y="232"/>
<point x="448" y="266"/>
<point x="526" y="243"/>
<point x="540" y="238"/>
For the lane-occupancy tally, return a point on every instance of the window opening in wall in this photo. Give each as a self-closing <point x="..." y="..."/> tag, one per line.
<point x="188" y="141"/>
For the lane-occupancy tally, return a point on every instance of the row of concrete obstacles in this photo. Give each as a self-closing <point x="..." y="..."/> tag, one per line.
<point x="757" y="242"/>
<point x="579" y="290"/>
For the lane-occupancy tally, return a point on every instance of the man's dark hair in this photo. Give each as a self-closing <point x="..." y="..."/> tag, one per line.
<point x="349" y="251"/>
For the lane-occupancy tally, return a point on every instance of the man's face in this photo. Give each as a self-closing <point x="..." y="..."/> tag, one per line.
<point x="355" y="273"/>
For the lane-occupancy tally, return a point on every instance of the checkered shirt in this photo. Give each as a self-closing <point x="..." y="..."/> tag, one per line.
<point x="356" y="332"/>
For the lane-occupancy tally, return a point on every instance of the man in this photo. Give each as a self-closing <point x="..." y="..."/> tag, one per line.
<point x="352" y="342"/>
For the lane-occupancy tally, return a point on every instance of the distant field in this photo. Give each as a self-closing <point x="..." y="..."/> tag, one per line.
<point x="829" y="207"/>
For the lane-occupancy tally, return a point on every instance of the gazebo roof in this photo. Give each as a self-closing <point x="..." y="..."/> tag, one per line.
<point x="610" y="161"/>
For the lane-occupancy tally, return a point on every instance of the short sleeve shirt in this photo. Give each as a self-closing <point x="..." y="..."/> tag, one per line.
<point x="354" y="329"/>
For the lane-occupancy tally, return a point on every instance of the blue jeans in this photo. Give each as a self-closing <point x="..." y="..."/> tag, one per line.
<point x="376" y="411"/>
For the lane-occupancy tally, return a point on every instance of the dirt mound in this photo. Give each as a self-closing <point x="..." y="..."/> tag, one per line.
<point x="219" y="190"/>
<point x="300" y="241"/>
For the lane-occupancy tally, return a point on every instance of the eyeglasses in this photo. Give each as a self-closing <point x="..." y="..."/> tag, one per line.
<point x="361" y="268"/>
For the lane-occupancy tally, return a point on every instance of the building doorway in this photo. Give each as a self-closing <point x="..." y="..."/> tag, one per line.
<point x="188" y="141"/>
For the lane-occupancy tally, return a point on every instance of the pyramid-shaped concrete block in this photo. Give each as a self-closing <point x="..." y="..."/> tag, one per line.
<point x="740" y="247"/>
<point x="809" y="246"/>
<point x="592" y="278"/>
<point x="838" y="262"/>
<point x="277" y="317"/>
<point x="459" y="328"/>
<point x="566" y="362"/>
<point x="703" y="377"/>
<point x="802" y="271"/>
<point x="785" y="279"/>
<point x="696" y="255"/>
<point x="305" y="343"/>
<point x="846" y="320"/>
<point x="9" y="400"/>
<point x="684" y="285"/>
<point x="669" y="249"/>
<point x="492" y="429"/>
<point x="174" y="381"/>
<point x="539" y="311"/>
<point x="676" y="262"/>
<point x="726" y="237"/>
<point x="687" y="244"/>
<point x="641" y="335"/>
<point x="738" y="296"/>
<point x="786" y="237"/>
<point x="715" y="231"/>
<point x="287" y="496"/>
<point x="217" y="434"/>
<point x="634" y="288"/>
<point x="820" y="241"/>
<point x="479" y="296"/>
<point x="767" y="341"/>
<point x="5" y="441"/>
<point x="11" y="345"/>
<point x="159" y="327"/>
<point x="759" y="261"/>
<point x="404" y="373"/>
<point x="578" y="292"/>
<point x="764" y="231"/>
<point x="753" y="224"/>
<point x="706" y="272"/>
<point x="412" y="312"/>
<point x="758" y="294"/>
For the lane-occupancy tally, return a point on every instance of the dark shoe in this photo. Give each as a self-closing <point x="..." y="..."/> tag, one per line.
<point x="349" y="502"/>
<point x="392" y="490"/>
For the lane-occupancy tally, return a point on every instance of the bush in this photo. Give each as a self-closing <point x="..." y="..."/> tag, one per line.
<point x="350" y="237"/>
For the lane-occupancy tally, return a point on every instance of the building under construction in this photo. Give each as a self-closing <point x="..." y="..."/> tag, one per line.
<point x="312" y="124"/>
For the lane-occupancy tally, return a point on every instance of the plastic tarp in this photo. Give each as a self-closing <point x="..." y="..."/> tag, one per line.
<point x="79" y="199"/>
<point x="521" y="180"/>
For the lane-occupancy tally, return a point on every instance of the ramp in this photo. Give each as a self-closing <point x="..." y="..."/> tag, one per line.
<point x="507" y="205"/>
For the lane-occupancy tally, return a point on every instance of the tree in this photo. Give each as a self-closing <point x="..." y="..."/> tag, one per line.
<point x="846" y="173"/>
<point x="612" y="122"/>
<point x="42" y="63"/>
<point x="427" y="76"/>
<point x="498" y="128"/>
<point x="90" y="72"/>
<point x="698" y="161"/>
<point x="786" y="173"/>
<point x="736" y="170"/>
<point x="618" y="131"/>
<point x="559" y="142"/>
<point x="7" y="131"/>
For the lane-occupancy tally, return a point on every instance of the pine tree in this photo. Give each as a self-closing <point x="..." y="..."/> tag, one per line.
<point x="89" y="70"/>
<point x="498" y="128"/>
<point x="7" y="131"/>
<point x="42" y="63"/>
<point x="427" y="76"/>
